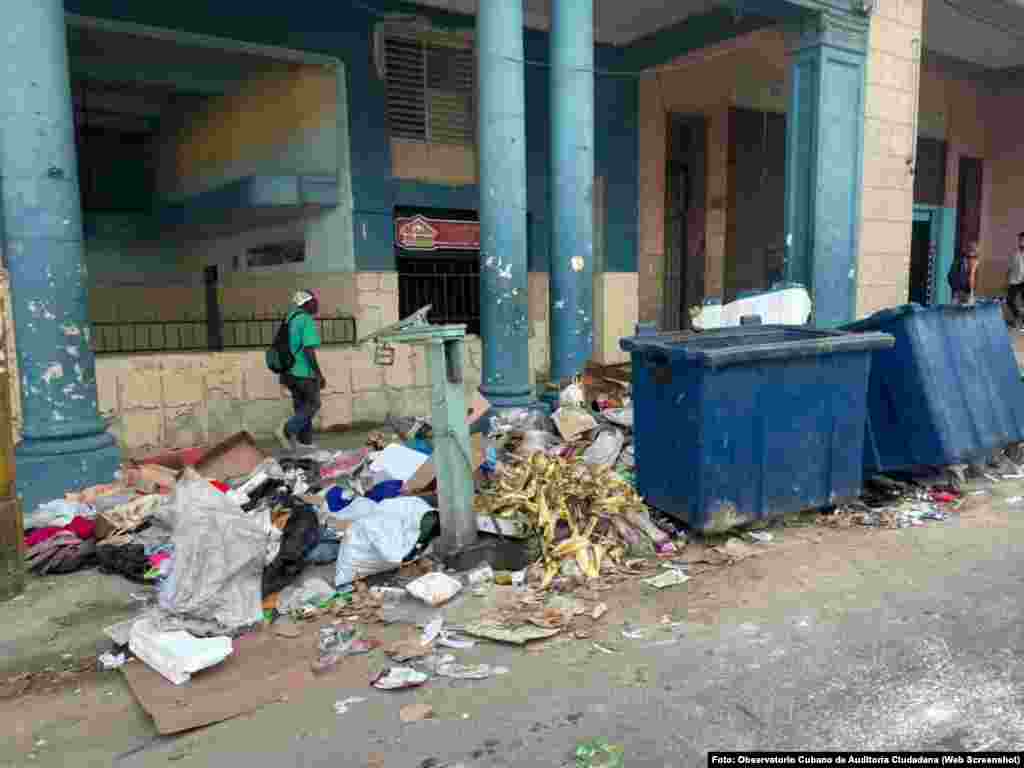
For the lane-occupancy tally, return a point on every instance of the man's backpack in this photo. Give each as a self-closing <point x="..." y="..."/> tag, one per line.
<point x="280" y="358"/>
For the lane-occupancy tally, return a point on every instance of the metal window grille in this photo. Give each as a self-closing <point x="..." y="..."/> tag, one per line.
<point x="430" y="91"/>
<point x="450" y="285"/>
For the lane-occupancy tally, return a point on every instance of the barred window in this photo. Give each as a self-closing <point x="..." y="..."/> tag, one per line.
<point x="430" y="91"/>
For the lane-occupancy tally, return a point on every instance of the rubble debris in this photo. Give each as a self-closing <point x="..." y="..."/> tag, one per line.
<point x="414" y="713"/>
<point x="762" y="537"/>
<point x="110" y="661"/>
<point x="176" y="655"/>
<point x="397" y="678"/>
<point x="520" y="635"/>
<point x="669" y="578"/>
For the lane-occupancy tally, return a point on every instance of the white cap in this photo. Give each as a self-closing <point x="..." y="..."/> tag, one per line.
<point x="301" y="297"/>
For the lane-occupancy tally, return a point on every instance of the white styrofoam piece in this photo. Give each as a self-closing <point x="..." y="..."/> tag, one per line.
<point x="789" y="306"/>
<point x="176" y="655"/>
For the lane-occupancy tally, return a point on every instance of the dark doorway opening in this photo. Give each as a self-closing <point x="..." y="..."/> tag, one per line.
<point x="968" y="204"/>
<point x="685" y="205"/>
<point x="921" y="263"/>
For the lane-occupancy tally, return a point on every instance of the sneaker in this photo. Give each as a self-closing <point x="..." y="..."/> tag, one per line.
<point x="287" y="441"/>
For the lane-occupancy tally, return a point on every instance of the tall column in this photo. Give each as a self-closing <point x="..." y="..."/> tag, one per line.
<point x="65" y="443"/>
<point x="572" y="187"/>
<point x="501" y="139"/>
<point x="824" y="159"/>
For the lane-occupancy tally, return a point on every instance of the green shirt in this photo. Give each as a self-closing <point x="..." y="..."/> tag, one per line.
<point x="302" y="334"/>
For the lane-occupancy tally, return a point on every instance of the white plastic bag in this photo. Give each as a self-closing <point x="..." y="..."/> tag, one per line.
<point x="572" y="395"/>
<point x="605" y="449"/>
<point x="295" y="597"/>
<point x="434" y="589"/>
<point x="215" y="586"/>
<point x="378" y="542"/>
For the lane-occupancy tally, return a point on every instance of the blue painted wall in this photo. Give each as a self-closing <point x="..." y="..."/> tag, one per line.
<point x="344" y="29"/>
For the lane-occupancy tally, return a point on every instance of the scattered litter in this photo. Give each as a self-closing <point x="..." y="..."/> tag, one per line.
<point x="631" y="633"/>
<point x="510" y="578"/>
<point x="599" y="610"/>
<point x="285" y="627"/>
<point x="434" y="589"/>
<point x="978" y="493"/>
<point x="388" y="594"/>
<point x="432" y="630"/>
<point x="604" y="649"/>
<point x="668" y="578"/>
<point x="395" y="678"/>
<point x="737" y="550"/>
<point x="379" y="542"/>
<point x="520" y="635"/>
<point x="341" y="707"/>
<point x="991" y="478"/>
<point x="414" y="713"/>
<point x="109" y="661"/>
<point x="483" y="574"/>
<point x="398" y="462"/>
<point x="404" y="651"/>
<point x="599" y="754"/>
<point x="449" y="640"/>
<point x="476" y="672"/>
<point x="1015" y="500"/>
<point x="762" y="537"/>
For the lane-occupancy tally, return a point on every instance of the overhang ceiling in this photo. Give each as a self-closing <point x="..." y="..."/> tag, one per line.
<point x="985" y="32"/>
<point x="618" y="22"/>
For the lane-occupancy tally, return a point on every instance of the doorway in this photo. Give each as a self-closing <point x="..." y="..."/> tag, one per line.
<point x="968" y="202"/>
<point x="921" y="262"/>
<point x="685" y="205"/>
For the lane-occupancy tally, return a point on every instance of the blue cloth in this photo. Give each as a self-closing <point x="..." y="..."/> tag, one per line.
<point x="326" y="551"/>
<point x="389" y="489"/>
<point x="336" y="500"/>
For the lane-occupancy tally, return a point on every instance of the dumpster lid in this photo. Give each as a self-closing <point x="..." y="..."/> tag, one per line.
<point x="872" y="322"/>
<point x="751" y="343"/>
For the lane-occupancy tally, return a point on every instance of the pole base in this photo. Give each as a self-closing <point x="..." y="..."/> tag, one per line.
<point x="12" y="567"/>
<point x="47" y="469"/>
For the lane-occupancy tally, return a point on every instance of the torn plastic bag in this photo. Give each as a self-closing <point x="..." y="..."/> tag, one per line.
<point x="379" y="542"/>
<point x="605" y="449"/>
<point x="219" y="552"/>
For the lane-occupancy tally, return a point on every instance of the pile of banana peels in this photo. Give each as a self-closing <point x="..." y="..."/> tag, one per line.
<point x="604" y="517"/>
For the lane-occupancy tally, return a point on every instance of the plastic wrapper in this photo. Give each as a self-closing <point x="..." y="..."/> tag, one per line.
<point x="572" y="422"/>
<point x="434" y="589"/>
<point x="312" y="592"/>
<point x="219" y="554"/>
<point x="379" y="542"/>
<point x="605" y="449"/>
<point x="573" y="395"/>
<point x="536" y="441"/>
<point x="519" y="419"/>
<point x="642" y="522"/>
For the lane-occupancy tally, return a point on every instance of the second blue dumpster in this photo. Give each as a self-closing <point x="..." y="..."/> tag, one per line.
<point x="948" y="392"/>
<point x="740" y="424"/>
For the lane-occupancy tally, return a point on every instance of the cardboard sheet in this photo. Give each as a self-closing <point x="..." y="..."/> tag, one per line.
<point x="263" y="669"/>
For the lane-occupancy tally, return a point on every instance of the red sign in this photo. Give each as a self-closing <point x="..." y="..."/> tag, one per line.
<point x="418" y="233"/>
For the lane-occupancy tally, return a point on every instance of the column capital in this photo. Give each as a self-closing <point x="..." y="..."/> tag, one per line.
<point x="829" y="27"/>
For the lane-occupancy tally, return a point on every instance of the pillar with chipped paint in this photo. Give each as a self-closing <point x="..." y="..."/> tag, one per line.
<point x="501" y="137"/>
<point x="572" y="187"/>
<point x="65" y="444"/>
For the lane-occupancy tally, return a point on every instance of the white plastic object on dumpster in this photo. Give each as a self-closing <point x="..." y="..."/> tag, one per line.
<point x="176" y="655"/>
<point x="379" y="542"/>
<point x="784" y="306"/>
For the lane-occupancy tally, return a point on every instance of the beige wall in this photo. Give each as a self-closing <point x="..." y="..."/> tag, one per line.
<point x="887" y="200"/>
<point x="438" y="163"/>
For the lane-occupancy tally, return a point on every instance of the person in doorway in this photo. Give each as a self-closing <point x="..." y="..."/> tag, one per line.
<point x="1015" y="284"/>
<point x="305" y="380"/>
<point x="963" y="275"/>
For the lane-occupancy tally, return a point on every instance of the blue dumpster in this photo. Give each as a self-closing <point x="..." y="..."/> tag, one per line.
<point x="948" y="392"/>
<point x="739" y="424"/>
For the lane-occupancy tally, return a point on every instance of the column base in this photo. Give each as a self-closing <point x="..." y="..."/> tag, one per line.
<point x="47" y="469"/>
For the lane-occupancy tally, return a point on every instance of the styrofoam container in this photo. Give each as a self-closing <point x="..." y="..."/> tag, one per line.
<point x="176" y="655"/>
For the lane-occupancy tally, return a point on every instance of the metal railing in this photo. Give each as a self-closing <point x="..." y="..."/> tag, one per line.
<point x="455" y="297"/>
<point x="195" y="335"/>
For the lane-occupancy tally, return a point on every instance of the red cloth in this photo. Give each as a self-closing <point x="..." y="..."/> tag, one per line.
<point x="222" y="487"/>
<point x="159" y="557"/>
<point x="39" y="535"/>
<point x="82" y="527"/>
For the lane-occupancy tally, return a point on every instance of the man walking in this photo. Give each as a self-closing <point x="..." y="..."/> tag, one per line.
<point x="304" y="380"/>
<point x="1015" y="279"/>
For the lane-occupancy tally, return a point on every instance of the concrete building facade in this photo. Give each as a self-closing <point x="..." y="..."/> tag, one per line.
<point x="222" y="156"/>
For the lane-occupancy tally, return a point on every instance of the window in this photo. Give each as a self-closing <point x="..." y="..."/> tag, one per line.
<point x="430" y="90"/>
<point x="276" y="254"/>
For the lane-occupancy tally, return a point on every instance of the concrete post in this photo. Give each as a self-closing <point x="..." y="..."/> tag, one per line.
<point x="65" y="443"/>
<point x="501" y="139"/>
<point x="824" y="159"/>
<point x="572" y="187"/>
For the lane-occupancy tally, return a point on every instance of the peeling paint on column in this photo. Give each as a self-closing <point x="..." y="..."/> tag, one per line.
<point x="54" y="371"/>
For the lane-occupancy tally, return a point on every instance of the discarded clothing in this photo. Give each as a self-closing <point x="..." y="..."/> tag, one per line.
<point x="336" y="499"/>
<point x="57" y="514"/>
<point x="380" y="542"/>
<point x="389" y="489"/>
<point x="61" y="553"/>
<point x="128" y="560"/>
<point x="326" y="551"/>
<point x="300" y="537"/>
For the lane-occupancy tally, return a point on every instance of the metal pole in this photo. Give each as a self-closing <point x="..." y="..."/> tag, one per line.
<point x="504" y="298"/>
<point x="572" y="187"/>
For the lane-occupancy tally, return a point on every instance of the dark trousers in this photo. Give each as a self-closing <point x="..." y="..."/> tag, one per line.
<point x="306" y="398"/>
<point x="1013" y="295"/>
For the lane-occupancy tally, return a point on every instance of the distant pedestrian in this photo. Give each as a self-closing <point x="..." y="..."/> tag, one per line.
<point x="1015" y="283"/>
<point x="963" y="275"/>
<point x="304" y="380"/>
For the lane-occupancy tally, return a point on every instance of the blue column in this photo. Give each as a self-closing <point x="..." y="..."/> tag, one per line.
<point x="824" y="159"/>
<point x="572" y="187"/>
<point x="65" y="443"/>
<point x="501" y="140"/>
